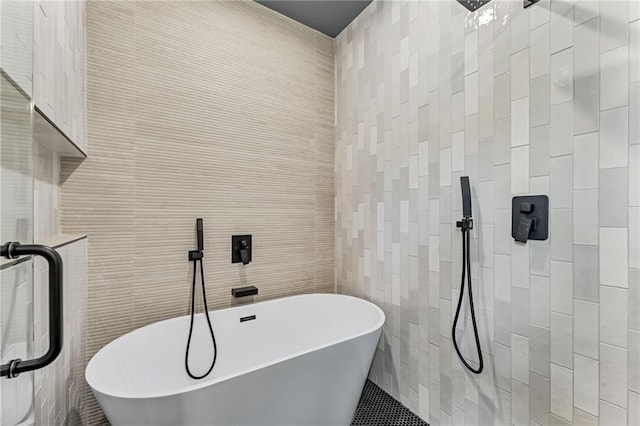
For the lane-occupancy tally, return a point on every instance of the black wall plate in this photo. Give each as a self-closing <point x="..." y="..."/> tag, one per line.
<point x="236" y="246"/>
<point x="536" y="208"/>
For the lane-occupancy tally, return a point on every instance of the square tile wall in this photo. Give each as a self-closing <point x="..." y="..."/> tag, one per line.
<point x="543" y="100"/>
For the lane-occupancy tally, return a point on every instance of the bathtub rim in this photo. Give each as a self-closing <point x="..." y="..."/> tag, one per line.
<point x="206" y="383"/>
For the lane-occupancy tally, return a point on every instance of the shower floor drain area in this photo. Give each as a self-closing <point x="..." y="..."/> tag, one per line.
<point x="377" y="408"/>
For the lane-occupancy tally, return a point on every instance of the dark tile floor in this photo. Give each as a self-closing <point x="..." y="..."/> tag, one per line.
<point x="377" y="408"/>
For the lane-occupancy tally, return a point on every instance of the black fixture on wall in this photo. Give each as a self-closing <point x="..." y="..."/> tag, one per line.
<point x="196" y="256"/>
<point x="199" y="252"/>
<point x="14" y="250"/>
<point x="244" y="291"/>
<point x="241" y="249"/>
<point x="466" y="225"/>
<point x="530" y="218"/>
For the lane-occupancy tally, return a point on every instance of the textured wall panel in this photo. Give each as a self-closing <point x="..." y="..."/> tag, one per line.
<point x="59" y="52"/>
<point x="540" y="100"/>
<point x="219" y="110"/>
<point x="16" y="38"/>
<point x="60" y="389"/>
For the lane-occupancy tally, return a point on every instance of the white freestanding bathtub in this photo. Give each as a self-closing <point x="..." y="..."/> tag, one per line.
<point x="303" y="360"/>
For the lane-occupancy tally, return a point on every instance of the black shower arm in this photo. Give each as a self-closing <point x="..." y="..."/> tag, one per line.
<point x="13" y="251"/>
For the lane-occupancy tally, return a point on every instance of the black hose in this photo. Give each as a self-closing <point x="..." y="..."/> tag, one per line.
<point x="466" y="270"/>
<point x="206" y="313"/>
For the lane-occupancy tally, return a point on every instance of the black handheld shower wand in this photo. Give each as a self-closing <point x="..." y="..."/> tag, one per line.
<point x="466" y="225"/>
<point x="196" y="256"/>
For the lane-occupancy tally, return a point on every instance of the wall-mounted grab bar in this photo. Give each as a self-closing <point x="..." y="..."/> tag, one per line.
<point x="14" y="250"/>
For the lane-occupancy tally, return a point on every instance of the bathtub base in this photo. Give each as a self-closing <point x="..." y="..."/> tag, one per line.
<point x="319" y="388"/>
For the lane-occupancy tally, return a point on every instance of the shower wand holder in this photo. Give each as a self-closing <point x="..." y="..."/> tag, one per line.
<point x="195" y="255"/>
<point x="198" y="254"/>
<point x="466" y="224"/>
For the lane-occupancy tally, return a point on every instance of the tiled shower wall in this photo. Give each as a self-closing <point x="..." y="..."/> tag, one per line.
<point x="60" y="390"/>
<point x="544" y="100"/>
<point x="59" y="89"/>
<point x="222" y="110"/>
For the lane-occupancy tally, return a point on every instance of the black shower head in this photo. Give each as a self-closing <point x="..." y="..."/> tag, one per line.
<point x="473" y="5"/>
<point x="466" y="196"/>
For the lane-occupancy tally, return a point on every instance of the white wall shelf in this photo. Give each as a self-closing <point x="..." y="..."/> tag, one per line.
<point x="53" y="138"/>
<point x="58" y="241"/>
<point x="54" y="242"/>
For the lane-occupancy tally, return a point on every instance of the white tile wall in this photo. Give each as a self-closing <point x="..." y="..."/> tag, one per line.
<point x="614" y="257"/>
<point x="520" y="122"/>
<point x="634" y="360"/>
<point x="540" y="300"/>
<point x="60" y="389"/>
<point x="59" y="78"/>
<point x="562" y="392"/>
<point x="613" y="374"/>
<point x="613" y="34"/>
<point x="614" y="138"/>
<point x="520" y="170"/>
<point x="520" y="358"/>
<point x="16" y="58"/>
<point x="16" y="306"/>
<point x="585" y="226"/>
<point x="585" y="321"/>
<point x="562" y="339"/>
<point x="634" y="237"/>
<point x="561" y="129"/>
<point x="46" y="193"/>
<point x="634" y="408"/>
<point x="536" y="100"/>
<point x="585" y="384"/>
<point x="612" y="415"/>
<point x="614" y="315"/>
<point x="614" y="78"/>
<point x="582" y="418"/>
<point x="561" y="177"/>
<point x="585" y="161"/>
<point x="562" y="76"/>
<point x="562" y="287"/>
<point x="561" y="25"/>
